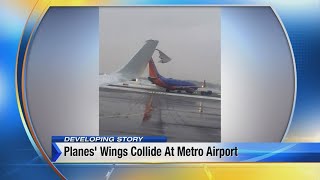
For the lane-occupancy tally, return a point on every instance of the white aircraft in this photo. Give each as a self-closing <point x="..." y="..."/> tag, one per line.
<point x="134" y="68"/>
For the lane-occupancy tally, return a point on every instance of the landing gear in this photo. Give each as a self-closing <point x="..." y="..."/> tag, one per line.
<point x="206" y="93"/>
<point x="179" y="91"/>
<point x="167" y="90"/>
<point x="190" y="92"/>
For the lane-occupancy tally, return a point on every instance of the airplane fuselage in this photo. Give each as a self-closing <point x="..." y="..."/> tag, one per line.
<point x="169" y="83"/>
<point x="173" y="84"/>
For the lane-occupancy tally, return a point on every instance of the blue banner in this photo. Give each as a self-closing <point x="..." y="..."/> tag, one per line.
<point x="109" y="139"/>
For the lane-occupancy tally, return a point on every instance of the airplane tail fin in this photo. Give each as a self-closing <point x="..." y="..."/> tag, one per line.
<point x="153" y="72"/>
<point x="136" y="66"/>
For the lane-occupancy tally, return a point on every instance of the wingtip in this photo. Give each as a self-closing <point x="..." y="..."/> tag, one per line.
<point x="152" y="40"/>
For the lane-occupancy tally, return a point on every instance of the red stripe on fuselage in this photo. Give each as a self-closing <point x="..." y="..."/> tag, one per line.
<point x="158" y="81"/>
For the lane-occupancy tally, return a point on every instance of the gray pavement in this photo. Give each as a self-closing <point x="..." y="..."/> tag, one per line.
<point x="181" y="119"/>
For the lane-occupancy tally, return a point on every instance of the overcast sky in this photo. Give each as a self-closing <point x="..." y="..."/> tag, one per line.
<point x="189" y="35"/>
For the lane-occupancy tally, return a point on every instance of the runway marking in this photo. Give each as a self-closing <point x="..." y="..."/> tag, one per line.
<point x="159" y="92"/>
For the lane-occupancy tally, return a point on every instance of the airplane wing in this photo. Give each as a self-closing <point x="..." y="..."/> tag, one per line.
<point x="138" y="63"/>
<point x="186" y="87"/>
<point x="134" y="68"/>
<point x="163" y="57"/>
<point x="195" y="86"/>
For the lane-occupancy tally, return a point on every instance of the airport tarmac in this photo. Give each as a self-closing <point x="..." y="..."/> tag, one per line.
<point x="179" y="118"/>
